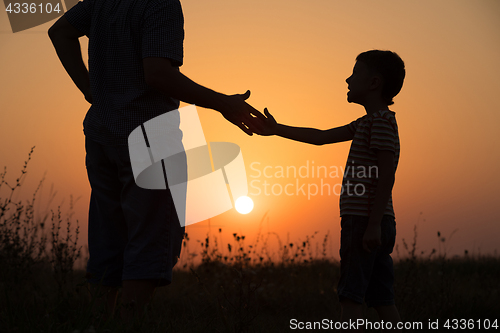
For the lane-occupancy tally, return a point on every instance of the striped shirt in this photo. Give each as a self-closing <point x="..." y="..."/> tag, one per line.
<point x="378" y="131"/>
<point x="121" y="33"/>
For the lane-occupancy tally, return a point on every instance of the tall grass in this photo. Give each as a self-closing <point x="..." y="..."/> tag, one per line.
<point x="24" y="239"/>
<point x="235" y="286"/>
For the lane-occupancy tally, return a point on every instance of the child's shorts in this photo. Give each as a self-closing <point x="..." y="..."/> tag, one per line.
<point x="134" y="233"/>
<point x="366" y="276"/>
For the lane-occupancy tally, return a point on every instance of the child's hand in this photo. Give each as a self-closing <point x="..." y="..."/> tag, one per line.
<point x="268" y="126"/>
<point x="372" y="238"/>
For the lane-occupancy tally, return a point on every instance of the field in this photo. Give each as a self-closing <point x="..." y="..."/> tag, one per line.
<point x="234" y="287"/>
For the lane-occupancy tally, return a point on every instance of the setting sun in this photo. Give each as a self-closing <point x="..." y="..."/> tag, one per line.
<point x="93" y="258"/>
<point x="244" y="205"/>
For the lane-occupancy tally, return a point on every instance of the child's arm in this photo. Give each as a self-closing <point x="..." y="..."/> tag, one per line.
<point x="307" y="135"/>
<point x="385" y="165"/>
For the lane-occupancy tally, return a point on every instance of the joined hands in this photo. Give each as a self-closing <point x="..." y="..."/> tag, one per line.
<point x="268" y="125"/>
<point x="241" y="114"/>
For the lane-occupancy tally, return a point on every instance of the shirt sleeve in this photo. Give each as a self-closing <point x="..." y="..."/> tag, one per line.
<point x="353" y="126"/>
<point x="163" y="31"/>
<point x="383" y="135"/>
<point x="80" y="16"/>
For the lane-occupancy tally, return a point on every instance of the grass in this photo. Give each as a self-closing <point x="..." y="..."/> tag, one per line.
<point x="235" y="287"/>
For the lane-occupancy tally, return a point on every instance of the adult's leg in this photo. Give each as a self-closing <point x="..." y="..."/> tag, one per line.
<point x="136" y="296"/>
<point x="107" y="236"/>
<point x="104" y="298"/>
<point x="154" y="237"/>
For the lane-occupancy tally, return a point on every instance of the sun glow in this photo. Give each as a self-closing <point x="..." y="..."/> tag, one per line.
<point x="244" y="205"/>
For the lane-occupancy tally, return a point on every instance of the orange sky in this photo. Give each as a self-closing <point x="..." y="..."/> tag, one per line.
<point x="295" y="56"/>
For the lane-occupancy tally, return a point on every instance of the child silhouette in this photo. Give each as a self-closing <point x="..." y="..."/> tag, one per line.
<point x="367" y="216"/>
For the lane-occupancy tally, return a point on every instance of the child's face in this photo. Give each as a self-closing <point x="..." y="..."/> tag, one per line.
<point x="358" y="83"/>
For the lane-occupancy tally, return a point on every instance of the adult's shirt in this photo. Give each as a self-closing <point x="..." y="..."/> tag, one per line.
<point x="121" y="33"/>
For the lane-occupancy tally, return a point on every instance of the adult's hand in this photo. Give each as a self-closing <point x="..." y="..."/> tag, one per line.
<point x="241" y="114"/>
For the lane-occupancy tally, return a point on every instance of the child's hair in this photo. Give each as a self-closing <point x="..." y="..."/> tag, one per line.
<point x="390" y="66"/>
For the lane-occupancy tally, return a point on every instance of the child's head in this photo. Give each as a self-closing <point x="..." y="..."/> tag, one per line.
<point x="390" y="67"/>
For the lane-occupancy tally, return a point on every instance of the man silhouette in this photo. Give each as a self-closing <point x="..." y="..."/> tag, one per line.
<point x="135" y="51"/>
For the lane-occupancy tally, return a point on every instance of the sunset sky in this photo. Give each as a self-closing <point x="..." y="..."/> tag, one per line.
<point x="294" y="56"/>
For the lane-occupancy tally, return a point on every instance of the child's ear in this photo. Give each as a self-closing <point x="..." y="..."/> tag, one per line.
<point x="376" y="82"/>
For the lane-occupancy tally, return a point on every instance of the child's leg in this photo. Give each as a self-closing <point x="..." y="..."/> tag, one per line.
<point x="351" y="311"/>
<point x="380" y="293"/>
<point x="355" y="269"/>
<point x="389" y="313"/>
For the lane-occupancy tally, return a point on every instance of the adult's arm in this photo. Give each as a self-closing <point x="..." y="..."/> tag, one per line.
<point x="64" y="37"/>
<point x="160" y="74"/>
